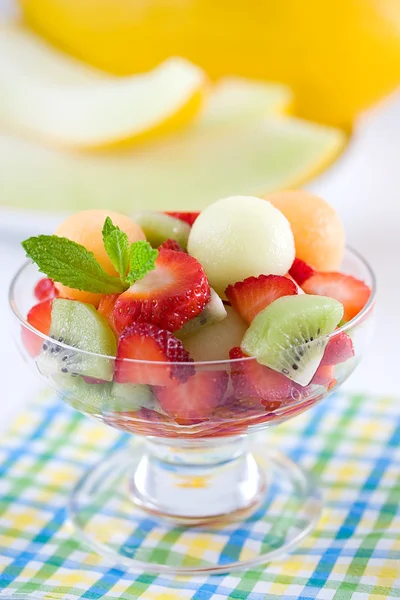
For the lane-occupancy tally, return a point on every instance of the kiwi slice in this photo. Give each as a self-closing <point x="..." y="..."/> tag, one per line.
<point x="213" y="312"/>
<point x="76" y="326"/>
<point x="159" y="227"/>
<point x="290" y="335"/>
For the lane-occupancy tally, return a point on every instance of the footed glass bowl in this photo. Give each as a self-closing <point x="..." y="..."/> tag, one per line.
<point x="196" y="490"/>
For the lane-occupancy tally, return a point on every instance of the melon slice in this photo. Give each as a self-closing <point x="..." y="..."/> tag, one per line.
<point x="48" y="94"/>
<point x="186" y="171"/>
<point x="237" y="100"/>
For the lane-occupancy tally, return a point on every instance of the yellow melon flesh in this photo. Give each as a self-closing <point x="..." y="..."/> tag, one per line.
<point x="85" y="228"/>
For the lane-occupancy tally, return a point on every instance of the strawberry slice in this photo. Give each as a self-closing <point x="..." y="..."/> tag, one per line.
<point x="252" y="380"/>
<point x="173" y="293"/>
<point x="339" y="349"/>
<point x="252" y="295"/>
<point x="300" y="271"/>
<point x="38" y="317"/>
<point x="348" y="290"/>
<point x="106" y="308"/>
<point x="170" y="244"/>
<point x="196" y="398"/>
<point x="143" y="344"/>
<point x="45" y="289"/>
<point x="187" y="217"/>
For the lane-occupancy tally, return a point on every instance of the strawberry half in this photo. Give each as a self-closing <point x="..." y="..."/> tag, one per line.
<point x="188" y="217"/>
<point x="252" y="295"/>
<point x="300" y="271"/>
<point x="252" y="380"/>
<point x="170" y="245"/>
<point x="196" y="398"/>
<point x="176" y="291"/>
<point x="143" y="344"/>
<point x="38" y="317"/>
<point x="45" y="289"/>
<point x="348" y="290"/>
<point x="339" y="349"/>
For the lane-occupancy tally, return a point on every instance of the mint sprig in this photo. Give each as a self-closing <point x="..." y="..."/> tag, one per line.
<point x="142" y="260"/>
<point x="117" y="246"/>
<point x="73" y="265"/>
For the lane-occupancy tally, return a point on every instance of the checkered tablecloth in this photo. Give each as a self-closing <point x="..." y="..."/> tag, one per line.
<point x="351" y="444"/>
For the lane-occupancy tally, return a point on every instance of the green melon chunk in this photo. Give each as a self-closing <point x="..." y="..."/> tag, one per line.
<point x="213" y="312"/>
<point x="159" y="227"/>
<point x="131" y="397"/>
<point x="89" y="398"/>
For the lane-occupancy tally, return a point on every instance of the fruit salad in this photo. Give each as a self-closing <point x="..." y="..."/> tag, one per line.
<point x="196" y="324"/>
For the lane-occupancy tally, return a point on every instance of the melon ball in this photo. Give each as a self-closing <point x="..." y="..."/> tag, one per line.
<point x="318" y="231"/>
<point x="85" y="228"/>
<point x="241" y="236"/>
<point x="214" y="342"/>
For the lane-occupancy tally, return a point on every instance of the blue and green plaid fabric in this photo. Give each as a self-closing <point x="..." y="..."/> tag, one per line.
<point x="350" y="443"/>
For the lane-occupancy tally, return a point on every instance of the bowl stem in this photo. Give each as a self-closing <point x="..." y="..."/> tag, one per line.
<point x="197" y="481"/>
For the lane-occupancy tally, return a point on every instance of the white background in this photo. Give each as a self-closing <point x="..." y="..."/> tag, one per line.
<point x="363" y="185"/>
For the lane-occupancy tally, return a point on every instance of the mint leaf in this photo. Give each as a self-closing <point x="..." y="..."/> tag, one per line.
<point x="108" y="227"/>
<point x="71" y="264"/>
<point x="117" y="246"/>
<point x="142" y="260"/>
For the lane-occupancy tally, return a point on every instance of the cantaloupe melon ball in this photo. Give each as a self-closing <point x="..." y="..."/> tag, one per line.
<point x="318" y="231"/>
<point x="85" y="228"/>
<point x="241" y="236"/>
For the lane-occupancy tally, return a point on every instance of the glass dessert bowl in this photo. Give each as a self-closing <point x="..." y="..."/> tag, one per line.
<point x="199" y="470"/>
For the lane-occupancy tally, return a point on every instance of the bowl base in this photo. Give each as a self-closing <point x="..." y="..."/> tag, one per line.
<point x="113" y="517"/>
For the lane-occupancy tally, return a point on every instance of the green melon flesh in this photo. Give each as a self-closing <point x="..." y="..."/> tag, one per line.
<point x="104" y="398"/>
<point x="240" y="145"/>
<point x="159" y="227"/>
<point x="184" y="172"/>
<point x="81" y="328"/>
<point x="213" y="312"/>
<point x="237" y="100"/>
<point x="48" y="94"/>
<point x="89" y="398"/>
<point x="290" y="335"/>
<point x="129" y="397"/>
<point x="215" y="342"/>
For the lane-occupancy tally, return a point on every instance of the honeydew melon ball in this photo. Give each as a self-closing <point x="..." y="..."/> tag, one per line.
<point x="240" y="237"/>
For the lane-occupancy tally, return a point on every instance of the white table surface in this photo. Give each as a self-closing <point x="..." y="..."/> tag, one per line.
<point x="364" y="186"/>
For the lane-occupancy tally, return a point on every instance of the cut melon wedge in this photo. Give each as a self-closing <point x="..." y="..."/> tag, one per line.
<point x="186" y="171"/>
<point x="48" y="94"/>
<point x="238" y="100"/>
